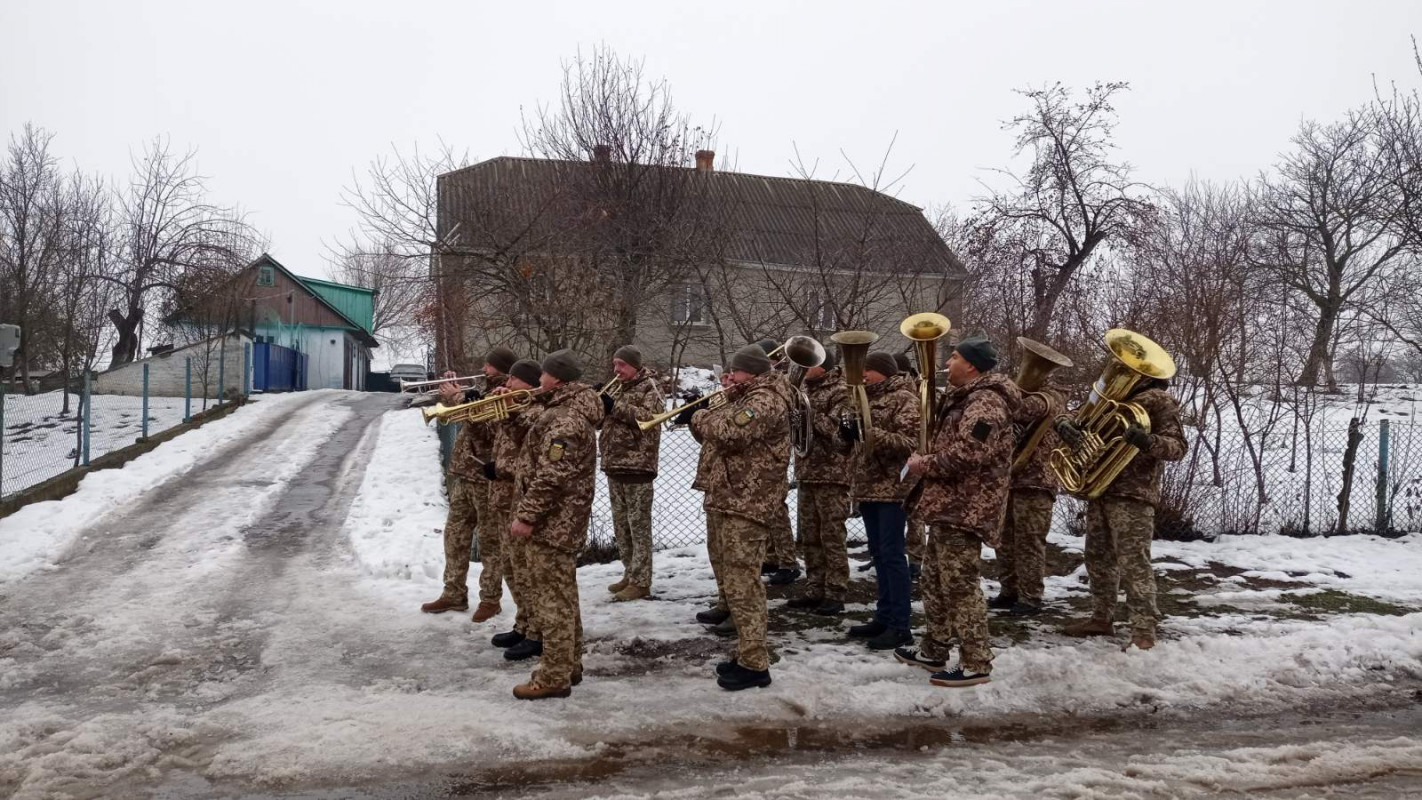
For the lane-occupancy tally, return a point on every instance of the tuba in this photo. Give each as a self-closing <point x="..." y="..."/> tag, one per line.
<point x="853" y="349"/>
<point x="1038" y="361"/>
<point x="803" y="352"/>
<point x="494" y="408"/>
<point x="1088" y="471"/>
<point x="924" y="330"/>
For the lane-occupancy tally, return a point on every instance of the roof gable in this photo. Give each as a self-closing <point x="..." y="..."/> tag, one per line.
<point x="362" y="331"/>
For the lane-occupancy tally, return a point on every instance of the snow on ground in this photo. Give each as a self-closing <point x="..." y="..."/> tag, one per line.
<point x="33" y="537"/>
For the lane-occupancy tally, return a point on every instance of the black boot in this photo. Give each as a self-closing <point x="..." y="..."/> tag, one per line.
<point x="1004" y="600"/>
<point x="738" y="678"/>
<point x="524" y="650"/>
<point x="890" y="639"/>
<point x="1025" y="608"/>
<point x="767" y="568"/>
<point x="868" y="630"/>
<point x="785" y="576"/>
<point x="727" y="627"/>
<point x="915" y="570"/>
<point x="713" y="616"/>
<point x="830" y="608"/>
<point x="805" y="603"/>
<point x="725" y="667"/>
<point x="866" y="566"/>
<point x="507" y="639"/>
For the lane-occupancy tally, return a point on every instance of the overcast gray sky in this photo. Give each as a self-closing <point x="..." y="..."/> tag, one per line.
<point x="284" y="99"/>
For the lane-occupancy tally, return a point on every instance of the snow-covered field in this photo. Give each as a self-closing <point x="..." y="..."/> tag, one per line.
<point x="40" y="443"/>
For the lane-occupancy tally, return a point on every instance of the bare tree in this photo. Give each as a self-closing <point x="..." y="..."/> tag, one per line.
<point x="1072" y="198"/>
<point x="29" y="193"/>
<point x="402" y="288"/>
<point x="83" y="292"/>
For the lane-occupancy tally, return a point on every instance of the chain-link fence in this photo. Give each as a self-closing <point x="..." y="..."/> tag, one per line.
<point x="46" y="434"/>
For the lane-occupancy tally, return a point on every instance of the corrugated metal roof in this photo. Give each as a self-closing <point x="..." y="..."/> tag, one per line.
<point x="356" y="302"/>
<point x="770" y="220"/>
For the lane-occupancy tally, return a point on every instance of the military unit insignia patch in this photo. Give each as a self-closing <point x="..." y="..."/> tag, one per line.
<point x="555" y="452"/>
<point x="744" y="417"/>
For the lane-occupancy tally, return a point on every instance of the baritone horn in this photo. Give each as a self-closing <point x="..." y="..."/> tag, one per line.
<point x="803" y="353"/>
<point x="924" y="330"/>
<point x="853" y="350"/>
<point x="1089" y="470"/>
<point x="494" y="408"/>
<point x="1038" y="361"/>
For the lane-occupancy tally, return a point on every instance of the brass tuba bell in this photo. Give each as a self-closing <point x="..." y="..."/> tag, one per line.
<point x="853" y="350"/>
<point x="1038" y="361"/>
<point x="924" y="330"/>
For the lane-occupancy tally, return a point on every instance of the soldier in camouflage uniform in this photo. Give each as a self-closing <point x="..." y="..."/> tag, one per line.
<point x="556" y="474"/>
<point x="782" y="564"/>
<point x="963" y="497"/>
<point x="1121" y="523"/>
<point x="629" y="459"/>
<point x="880" y="494"/>
<point x="468" y="506"/>
<point x="822" y="500"/>
<point x="1022" y="558"/>
<point x="748" y="440"/>
<point x="509" y="436"/>
<point x="719" y="614"/>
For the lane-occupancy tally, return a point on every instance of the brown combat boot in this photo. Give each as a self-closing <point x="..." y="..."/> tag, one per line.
<point x="485" y="611"/>
<point x="444" y="604"/>
<point x="632" y="592"/>
<point x="577" y="676"/>
<point x="1141" y="641"/>
<point x="617" y="587"/>
<point x="534" y="691"/>
<point x="1095" y="626"/>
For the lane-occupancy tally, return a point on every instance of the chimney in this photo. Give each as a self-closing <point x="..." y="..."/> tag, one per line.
<point x="705" y="160"/>
<point x="602" y="153"/>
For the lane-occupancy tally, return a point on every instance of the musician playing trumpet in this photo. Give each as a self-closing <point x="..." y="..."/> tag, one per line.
<point x="629" y="459"/>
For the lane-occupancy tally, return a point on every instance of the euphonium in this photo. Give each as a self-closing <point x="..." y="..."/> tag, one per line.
<point x="803" y="353"/>
<point x="853" y="349"/>
<point x="924" y="330"/>
<point x="494" y="408"/>
<point x="1088" y="471"/>
<point x="1038" y="361"/>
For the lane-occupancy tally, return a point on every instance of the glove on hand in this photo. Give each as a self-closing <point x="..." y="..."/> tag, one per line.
<point x="489" y="471"/>
<point x="1069" y="431"/>
<point x="849" y="431"/>
<point x="606" y="404"/>
<point x="684" y="418"/>
<point x="1137" y="437"/>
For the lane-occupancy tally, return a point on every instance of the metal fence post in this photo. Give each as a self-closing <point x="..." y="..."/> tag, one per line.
<point x="188" y="389"/>
<point x="221" y="369"/>
<point x="88" y="416"/>
<point x="1384" y="516"/>
<point x="145" y="403"/>
<point x="2" y="429"/>
<point x="246" y="369"/>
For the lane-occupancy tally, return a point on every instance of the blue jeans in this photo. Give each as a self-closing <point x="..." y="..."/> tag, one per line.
<point x="885" y="524"/>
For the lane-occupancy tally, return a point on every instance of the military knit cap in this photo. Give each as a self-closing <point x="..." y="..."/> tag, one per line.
<point x="630" y="354"/>
<point x="831" y="359"/>
<point x="767" y="346"/>
<point x="563" y="365"/>
<point x="750" y="358"/>
<point x="882" y="363"/>
<point x="527" y="370"/>
<point x="902" y="359"/>
<point x="501" y="358"/>
<point x="979" y="352"/>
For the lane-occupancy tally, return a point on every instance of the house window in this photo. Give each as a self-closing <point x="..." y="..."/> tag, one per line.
<point x="266" y="276"/>
<point x="688" y="303"/>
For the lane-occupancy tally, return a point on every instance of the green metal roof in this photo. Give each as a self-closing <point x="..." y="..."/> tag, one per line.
<point x="356" y="302"/>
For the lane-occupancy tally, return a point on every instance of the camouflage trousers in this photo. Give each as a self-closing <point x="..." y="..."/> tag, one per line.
<point x="822" y="509"/>
<point x="1022" y="558"/>
<point x="736" y="546"/>
<point x="782" y="539"/>
<point x="632" y="527"/>
<point x="553" y="587"/>
<point x="914" y="541"/>
<point x="1118" y="534"/>
<point x="514" y="552"/>
<point x="953" y="601"/>
<point x="466" y="499"/>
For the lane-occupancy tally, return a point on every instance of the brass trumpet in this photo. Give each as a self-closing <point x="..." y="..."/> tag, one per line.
<point x="924" y="330"/>
<point x="494" y="408"/>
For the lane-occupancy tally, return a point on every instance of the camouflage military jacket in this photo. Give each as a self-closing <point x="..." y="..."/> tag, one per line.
<point x="1037" y="474"/>
<point x="473" y="443"/>
<point x="893" y="407"/>
<point x="748" y="440"/>
<point x="830" y="460"/>
<point x="1140" y="480"/>
<point x="557" y="468"/>
<point x="627" y="451"/>
<point x="966" y="483"/>
<point x="509" y="436"/>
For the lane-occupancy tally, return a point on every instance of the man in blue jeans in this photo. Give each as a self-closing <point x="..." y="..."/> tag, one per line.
<point x="880" y="494"/>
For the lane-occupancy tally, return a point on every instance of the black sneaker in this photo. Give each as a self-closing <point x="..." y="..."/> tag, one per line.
<point x="805" y="603"/>
<point x="958" y="678"/>
<point x="725" y="667"/>
<point x="713" y="616"/>
<point x="524" y="650"/>
<point x="866" y="566"/>
<point x="890" y="639"/>
<point x="507" y="639"/>
<point x="868" y="630"/>
<point x="1003" y="600"/>
<point x="1024" y="608"/>
<point x="914" y="658"/>
<point x="784" y="577"/>
<point x="830" y="608"/>
<point x="738" y="678"/>
<point x="727" y="627"/>
<point x="767" y="568"/>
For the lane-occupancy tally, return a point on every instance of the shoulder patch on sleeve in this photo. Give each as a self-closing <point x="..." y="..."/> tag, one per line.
<point x="982" y="430"/>
<point x="743" y="417"/>
<point x="556" y="450"/>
